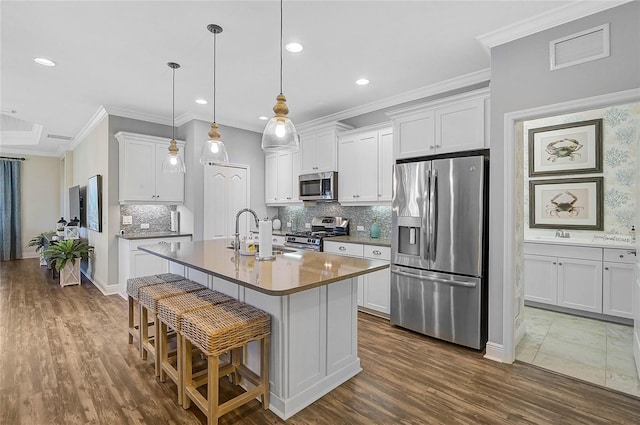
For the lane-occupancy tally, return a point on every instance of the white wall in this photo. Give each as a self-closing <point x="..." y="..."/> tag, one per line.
<point x="40" y="193"/>
<point x="91" y="157"/>
<point x="520" y="80"/>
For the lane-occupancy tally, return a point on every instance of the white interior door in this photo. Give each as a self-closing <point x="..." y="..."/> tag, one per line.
<point x="226" y="191"/>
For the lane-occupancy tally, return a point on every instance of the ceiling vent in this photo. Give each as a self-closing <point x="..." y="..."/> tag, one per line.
<point x="59" y="137"/>
<point x="579" y="48"/>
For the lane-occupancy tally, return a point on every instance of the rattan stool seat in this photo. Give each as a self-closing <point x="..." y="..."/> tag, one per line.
<point x="148" y="296"/>
<point x="171" y="309"/>
<point x="225" y="326"/>
<point x="135" y="283"/>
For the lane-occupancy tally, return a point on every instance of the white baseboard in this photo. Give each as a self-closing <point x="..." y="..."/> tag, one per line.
<point x="27" y="255"/>
<point x="105" y="289"/>
<point x="495" y="352"/>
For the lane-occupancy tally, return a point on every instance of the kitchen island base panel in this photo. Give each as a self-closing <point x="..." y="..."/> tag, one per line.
<point x="314" y="336"/>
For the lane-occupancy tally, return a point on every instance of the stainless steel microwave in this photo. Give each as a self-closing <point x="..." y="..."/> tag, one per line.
<point x="319" y="186"/>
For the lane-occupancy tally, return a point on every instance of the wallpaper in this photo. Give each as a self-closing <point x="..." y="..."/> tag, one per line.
<point x="621" y="133"/>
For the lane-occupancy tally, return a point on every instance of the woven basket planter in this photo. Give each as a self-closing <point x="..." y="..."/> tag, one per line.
<point x="70" y="274"/>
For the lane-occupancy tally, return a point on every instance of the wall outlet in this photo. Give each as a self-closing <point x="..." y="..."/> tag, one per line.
<point x="289" y="224"/>
<point x="144" y="225"/>
<point x="307" y="225"/>
<point x="360" y="228"/>
<point x="127" y="219"/>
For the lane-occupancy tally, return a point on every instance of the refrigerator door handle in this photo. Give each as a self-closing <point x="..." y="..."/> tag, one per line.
<point x="433" y="214"/>
<point x="434" y="279"/>
<point x="426" y="231"/>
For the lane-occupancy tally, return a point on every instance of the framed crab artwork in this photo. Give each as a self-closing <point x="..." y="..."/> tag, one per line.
<point x="574" y="148"/>
<point x="566" y="204"/>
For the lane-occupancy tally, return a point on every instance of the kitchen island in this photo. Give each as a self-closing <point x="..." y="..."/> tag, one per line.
<point x="312" y="298"/>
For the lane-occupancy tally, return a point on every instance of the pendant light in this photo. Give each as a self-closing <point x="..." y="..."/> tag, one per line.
<point x="173" y="162"/>
<point x="213" y="151"/>
<point x="280" y="134"/>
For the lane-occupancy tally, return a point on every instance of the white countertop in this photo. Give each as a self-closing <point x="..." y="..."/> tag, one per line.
<point x="595" y="243"/>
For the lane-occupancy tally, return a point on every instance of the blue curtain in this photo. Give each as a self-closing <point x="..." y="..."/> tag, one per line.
<point x="10" y="238"/>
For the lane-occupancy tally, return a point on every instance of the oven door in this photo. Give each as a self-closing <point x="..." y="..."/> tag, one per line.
<point x="302" y="246"/>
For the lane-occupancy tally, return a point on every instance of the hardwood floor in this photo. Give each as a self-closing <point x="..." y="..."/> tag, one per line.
<point x="64" y="359"/>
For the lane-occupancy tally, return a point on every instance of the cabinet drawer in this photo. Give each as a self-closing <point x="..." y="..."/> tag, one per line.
<point x="620" y="255"/>
<point x="351" y="249"/>
<point x="566" y="251"/>
<point x="278" y="240"/>
<point x="377" y="252"/>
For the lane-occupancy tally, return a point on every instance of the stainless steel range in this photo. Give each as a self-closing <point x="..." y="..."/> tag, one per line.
<point x="321" y="228"/>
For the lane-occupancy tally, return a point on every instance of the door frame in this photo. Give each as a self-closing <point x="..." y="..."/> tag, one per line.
<point x="506" y="352"/>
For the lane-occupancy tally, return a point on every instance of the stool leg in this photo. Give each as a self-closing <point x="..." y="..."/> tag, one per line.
<point x="179" y="368"/>
<point x="143" y="330"/>
<point x="265" y="347"/>
<point x="212" y="390"/>
<point x="162" y="349"/>
<point x="131" y="320"/>
<point x="156" y="337"/>
<point x="187" y="367"/>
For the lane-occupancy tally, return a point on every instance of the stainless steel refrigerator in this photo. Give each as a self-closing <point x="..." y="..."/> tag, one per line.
<point x="439" y="242"/>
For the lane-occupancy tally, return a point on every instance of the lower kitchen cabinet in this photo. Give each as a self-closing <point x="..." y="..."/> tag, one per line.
<point x="373" y="288"/>
<point x="133" y="262"/>
<point x="598" y="280"/>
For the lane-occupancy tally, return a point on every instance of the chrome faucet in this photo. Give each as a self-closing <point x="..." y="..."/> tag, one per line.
<point x="236" y="244"/>
<point x="562" y="234"/>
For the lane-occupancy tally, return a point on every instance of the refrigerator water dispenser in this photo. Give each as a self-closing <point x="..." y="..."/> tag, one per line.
<point x="409" y="230"/>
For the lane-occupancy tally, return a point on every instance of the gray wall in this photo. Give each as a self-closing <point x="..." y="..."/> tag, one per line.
<point x="520" y="79"/>
<point x="243" y="148"/>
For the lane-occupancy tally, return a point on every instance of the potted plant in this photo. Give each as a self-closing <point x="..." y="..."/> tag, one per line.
<point x="64" y="255"/>
<point x="40" y="242"/>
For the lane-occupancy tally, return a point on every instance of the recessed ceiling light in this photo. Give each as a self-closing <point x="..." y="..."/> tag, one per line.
<point x="201" y="102"/>
<point x="44" y="61"/>
<point x="294" y="47"/>
<point x="362" y="82"/>
<point x="263" y="118"/>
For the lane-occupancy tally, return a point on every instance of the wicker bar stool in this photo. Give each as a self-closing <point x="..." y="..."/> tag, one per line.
<point x="148" y="300"/>
<point x="215" y="330"/>
<point x="170" y="310"/>
<point x="133" y="286"/>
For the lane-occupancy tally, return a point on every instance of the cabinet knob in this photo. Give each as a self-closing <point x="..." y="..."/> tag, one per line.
<point x="559" y="264"/>
<point x="353" y="196"/>
<point x="376" y="252"/>
<point x="621" y="256"/>
<point x="342" y="248"/>
<point x="275" y="240"/>
<point x="431" y="147"/>
<point x="554" y="263"/>
<point x="438" y="146"/>
<point x="288" y="197"/>
<point x="606" y="268"/>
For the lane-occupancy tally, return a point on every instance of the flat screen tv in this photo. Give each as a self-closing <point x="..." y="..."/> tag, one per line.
<point x="75" y="204"/>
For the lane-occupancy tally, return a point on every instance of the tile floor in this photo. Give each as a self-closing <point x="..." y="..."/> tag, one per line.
<point x="587" y="349"/>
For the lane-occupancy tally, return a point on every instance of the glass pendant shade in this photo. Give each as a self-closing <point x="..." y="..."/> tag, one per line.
<point x="213" y="152"/>
<point x="280" y="136"/>
<point x="173" y="162"/>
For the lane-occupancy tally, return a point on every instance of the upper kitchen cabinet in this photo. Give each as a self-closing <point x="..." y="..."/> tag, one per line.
<point x="141" y="179"/>
<point x="281" y="178"/>
<point x="365" y="165"/>
<point x="454" y="124"/>
<point x="318" y="148"/>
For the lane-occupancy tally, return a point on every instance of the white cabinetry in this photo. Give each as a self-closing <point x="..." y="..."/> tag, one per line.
<point x="583" y="278"/>
<point x="133" y="262"/>
<point x="453" y="124"/>
<point x="365" y="165"/>
<point x="141" y="179"/>
<point x="373" y="288"/>
<point x="318" y="150"/>
<point x="281" y="178"/>
<point x="617" y="285"/>
<point x="226" y="191"/>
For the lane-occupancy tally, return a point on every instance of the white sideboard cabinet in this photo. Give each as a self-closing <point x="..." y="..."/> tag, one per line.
<point x="594" y="279"/>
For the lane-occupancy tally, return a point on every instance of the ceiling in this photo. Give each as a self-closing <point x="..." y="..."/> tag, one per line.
<point x="114" y="54"/>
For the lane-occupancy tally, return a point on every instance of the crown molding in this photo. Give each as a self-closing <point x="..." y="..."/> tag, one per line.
<point x="22" y="138"/>
<point x="477" y="77"/>
<point x="93" y="122"/>
<point x="135" y="115"/>
<point x="190" y="116"/>
<point x="29" y="152"/>
<point x="544" y="21"/>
